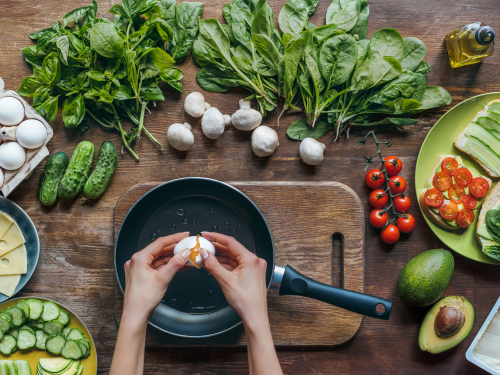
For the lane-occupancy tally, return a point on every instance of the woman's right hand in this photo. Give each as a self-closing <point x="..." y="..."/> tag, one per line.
<point x="241" y="276"/>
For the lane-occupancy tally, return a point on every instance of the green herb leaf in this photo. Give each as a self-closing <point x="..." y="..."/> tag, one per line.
<point x="361" y="27"/>
<point x="492" y="220"/>
<point x="343" y="13"/>
<point x="300" y="130"/>
<point x="403" y="121"/>
<point x="386" y="43"/>
<point x="73" y="111"/>
<point x="424" y="67"/>
<point x="414" y="52"/>
<point x="185" y="28"/>
<point x="337" y="59"/>
<point x="295" y="14"/>
<point x="106" y="41"/>
<point x="211" y="79"/>
<point x="375" y="72"/>
<point x="51" y="69"/>
<point x="28" y="86"/>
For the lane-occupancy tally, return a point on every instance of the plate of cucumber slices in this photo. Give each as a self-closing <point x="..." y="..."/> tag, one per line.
<point x="46" y="337"/>
<point x="440" y="141"/>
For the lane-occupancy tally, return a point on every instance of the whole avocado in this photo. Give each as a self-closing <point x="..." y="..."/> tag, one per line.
<point x="425" y="278"/>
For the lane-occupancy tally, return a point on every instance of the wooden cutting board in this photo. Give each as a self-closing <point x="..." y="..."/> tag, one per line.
<point x="318" y="229"/>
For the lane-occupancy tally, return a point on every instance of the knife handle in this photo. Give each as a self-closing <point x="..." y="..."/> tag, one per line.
<point x="294" y="283"/>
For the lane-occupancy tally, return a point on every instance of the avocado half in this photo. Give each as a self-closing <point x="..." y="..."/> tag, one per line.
<point x="429" y="341"/>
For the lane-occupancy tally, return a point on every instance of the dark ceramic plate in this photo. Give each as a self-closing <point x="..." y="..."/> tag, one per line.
<point x="30" y="235"/>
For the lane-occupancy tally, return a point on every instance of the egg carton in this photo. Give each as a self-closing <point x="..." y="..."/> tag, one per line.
<point x="33" y="157"/>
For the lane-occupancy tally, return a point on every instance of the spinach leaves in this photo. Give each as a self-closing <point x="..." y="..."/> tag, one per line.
<point x="110" y="71"/>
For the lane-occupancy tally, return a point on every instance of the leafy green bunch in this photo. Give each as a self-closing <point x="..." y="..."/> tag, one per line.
<point x="110" y="70"/>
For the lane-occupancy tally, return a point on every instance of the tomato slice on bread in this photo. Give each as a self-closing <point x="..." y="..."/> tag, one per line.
<point x="448" y="210"/>
<point x="479" y="187"/>
<point x="442" y="181"/>
<point x="434" y="198"/>
<point x="456" y="193"/>
<point x="449" y="165"/>
<point x="463" y="177"/>
<point x="470" y="202"/>
<point x="465" y="218"/>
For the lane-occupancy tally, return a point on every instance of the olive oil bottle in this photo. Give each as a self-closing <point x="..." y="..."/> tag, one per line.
<point x="470" y="44"/>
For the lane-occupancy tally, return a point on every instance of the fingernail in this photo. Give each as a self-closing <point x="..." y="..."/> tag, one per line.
<point x="204" y="254"/>
<point x="186" y="253"/>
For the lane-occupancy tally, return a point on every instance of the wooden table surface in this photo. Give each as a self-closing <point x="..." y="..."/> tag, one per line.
<point x="76" y="260"/>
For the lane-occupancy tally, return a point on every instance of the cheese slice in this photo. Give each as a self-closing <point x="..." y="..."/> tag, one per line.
<point x="12" y="239"/>
<point x="14" y="262"/>
<point x="8" y="284"/>
<point x="5" y="223"/>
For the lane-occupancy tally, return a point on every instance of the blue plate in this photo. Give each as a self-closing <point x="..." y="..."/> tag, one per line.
<point x="30" y="235"/>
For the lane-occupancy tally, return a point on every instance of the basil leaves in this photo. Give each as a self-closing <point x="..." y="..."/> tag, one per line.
<point x="110" y="71"/>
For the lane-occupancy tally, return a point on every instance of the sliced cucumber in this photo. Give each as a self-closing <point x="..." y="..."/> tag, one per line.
<point x="488" y="123"/>
<point x="18" y="317"/>
<point x="26" y="339"/>
<point x="14" y="331"/>
<point x="4" y="325"/>
<point x="71" y="350"/>
<point x="475" y="130"/>
<point x="6" y="315"/>
<point x="22" y="367"/>
<point x="66" y="330"/>
<point x="41" y="338"/>
<point x="75" y="334"/>
<point x="23" y="305"/>
<point x="55" y="365"/>
<point x="36" y="324"/>
<point x="50" y="311"/>
<point x="63" y="317"/>
<point x="53" y="327"/>
<point x="8" y="344"/>
<point x="4" y="370"/>
<point x="80" y="370"/>
<point x="483" y="153"/>
<point x="36" y="308"/>
<point x="55" y="343"/>
<point x="27" y="328"/>
<point x="9" y="365"/>
<point x="85" y="350"/>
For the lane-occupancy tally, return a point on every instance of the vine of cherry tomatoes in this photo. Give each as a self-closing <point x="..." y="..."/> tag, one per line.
<point x="388" y="193"/>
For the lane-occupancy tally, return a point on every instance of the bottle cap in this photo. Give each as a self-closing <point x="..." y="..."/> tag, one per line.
<point x="485" y="35"/>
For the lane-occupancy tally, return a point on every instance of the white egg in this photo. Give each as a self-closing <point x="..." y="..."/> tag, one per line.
<point x="31" y="134"/>
<point x="11" y="111"/>
<point x="1" y="178"/>
<point x="12" y="156"/>
<point x="189" y="243"/>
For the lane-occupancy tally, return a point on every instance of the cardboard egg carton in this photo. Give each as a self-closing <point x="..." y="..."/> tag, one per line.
<point x="34" y="156"/>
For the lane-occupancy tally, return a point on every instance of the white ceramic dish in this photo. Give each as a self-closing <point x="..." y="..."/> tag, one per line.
<point x="470" y="354"/>
<point x="33" y="157"/>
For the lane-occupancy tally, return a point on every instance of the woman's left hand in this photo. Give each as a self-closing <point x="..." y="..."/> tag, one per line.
<point x="148" y="274"/>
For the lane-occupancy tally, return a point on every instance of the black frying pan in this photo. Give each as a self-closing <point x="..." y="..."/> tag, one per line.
<point x="194" y="305"/>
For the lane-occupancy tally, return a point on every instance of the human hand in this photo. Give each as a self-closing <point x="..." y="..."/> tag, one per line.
<point x="241" y="276"/>
<point x="148" y="274"/>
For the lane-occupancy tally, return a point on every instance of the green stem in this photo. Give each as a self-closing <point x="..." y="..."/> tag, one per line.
<point x="109" y="126"/>
<point x="141" y="120"/>
<point x="122" y="133"/>
<point x="155" y="141"/>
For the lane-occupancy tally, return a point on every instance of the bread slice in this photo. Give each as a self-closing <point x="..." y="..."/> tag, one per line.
<point x="490" y="201"/>
<point x="436" y="218"/>
<point x="460" y="141"/>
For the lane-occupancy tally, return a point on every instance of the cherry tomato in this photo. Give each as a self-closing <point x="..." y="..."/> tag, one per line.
<point x="393" y="165"/>
<point x="378" y="219"/>
<point x="479" y="187"/>
<point x="449" y="165"/>
<point x="449" y="210"/>
<point x="465" y="218"/>
<point x="463" y="176"/>
<point x="442" y="181"/>
<point x="375" y="178"/>
<point x="390" y="234"/>
<point x="470" y="202"/>
<point x="456" y="193"/>
<point x="433" y="198"/>
<point x="397" y="184"/>
<point x="401" y="203"/>
<point x="379" y="198"/>
<point x="406" y="224"/>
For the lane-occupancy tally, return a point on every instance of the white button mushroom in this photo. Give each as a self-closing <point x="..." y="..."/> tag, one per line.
<point x="180" y="136"/>
<point x="264" y="141"/>
<point x="311" y="151"/>
<point x="246" y="118"/>
<point x="213" y="123"/>
<point x="195" y="105"/>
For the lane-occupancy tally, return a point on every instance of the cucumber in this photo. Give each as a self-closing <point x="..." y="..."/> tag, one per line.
<point x="77" y="172"/>
<point x="26" y="339"/>
<point x="18" y="317"/>
<point x="71" y="350"/>
<point x="50" y="311"/>
<point x="6" y="316"/>
<point x="36" y="308"/>
<point x="53" y="327"/>
<point x="8" y="344"/>
<point x="55" y="365"/>
<point x="24" y="306"/>
<point x="28" y="328"/>
<point x="9" y="365"/>
<point x="55" y="343"/>
<point x="41" y="338"/>
<point x="84" y="349"/>
<point x="22" y="367"/>
<point x="66" y="330"/>
<point x="14" y="331"/>
<point x="75" y="334"/>
<point x="4" y="325"/>
<point x="63" y="317"/>
<point x="104" y="169"/>
<point x="51" y="177"/>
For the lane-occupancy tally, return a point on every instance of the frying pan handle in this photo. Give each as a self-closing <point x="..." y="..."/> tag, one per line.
<point x="294" y="283"/>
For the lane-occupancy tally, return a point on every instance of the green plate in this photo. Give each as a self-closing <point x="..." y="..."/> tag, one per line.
<point x="439" y="142"/>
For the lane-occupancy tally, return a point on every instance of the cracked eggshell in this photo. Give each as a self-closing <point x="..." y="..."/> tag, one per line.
<point x="213" y="123"/>
<point x="180" y="136"/>
<point x="189" y="243"/>
<point x="11" y="111"/>
<point x="12" y="156"/>
<point x="311" y="151"/>
<point x="31" y="134"/>
<point x="264" y="141"/>
<point x="195" y="105"/>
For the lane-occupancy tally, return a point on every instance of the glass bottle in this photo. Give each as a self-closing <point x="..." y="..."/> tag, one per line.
<point x="470" y="44"/>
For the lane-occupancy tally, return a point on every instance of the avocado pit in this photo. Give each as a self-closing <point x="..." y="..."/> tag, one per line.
<point x="449" y="321"/>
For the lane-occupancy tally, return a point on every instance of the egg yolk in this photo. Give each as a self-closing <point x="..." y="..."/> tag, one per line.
<point x="195" y="251"/>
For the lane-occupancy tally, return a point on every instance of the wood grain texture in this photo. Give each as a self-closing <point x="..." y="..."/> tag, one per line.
<point x="76" y="260"/>
<point x="303" y="217"/>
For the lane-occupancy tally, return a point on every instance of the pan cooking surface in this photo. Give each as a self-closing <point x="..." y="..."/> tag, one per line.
<point x="195" y="291"/>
